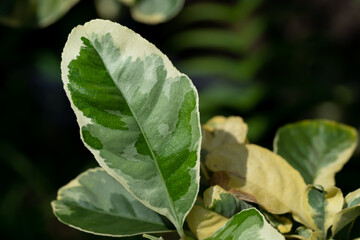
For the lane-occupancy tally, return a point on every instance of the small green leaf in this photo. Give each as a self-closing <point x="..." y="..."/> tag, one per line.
<point x="350" y="212"/>
<point x="137" y="114"/>
<point x="222" y="202"/>
<point x="155" y="11"/>
<point x="318" y="149"/>
<point x="249" y="224"/>
<point x="95" y="202"/>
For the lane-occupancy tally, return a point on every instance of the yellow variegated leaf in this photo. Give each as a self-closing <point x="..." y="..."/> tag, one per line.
<point x="318" y="149"/>
<point x="350" y="212"/>
<point x="204" y="223"/>
<point x="223" y="202"/>
<point x="353" y="198"/>
<point x="249" y="224"/>
<point x="282" y="223"/>
<point x="258" y="172"/>
<point x="319" y="207"/>
<point x="334" y="201"/>
<point x="220" y="130"/>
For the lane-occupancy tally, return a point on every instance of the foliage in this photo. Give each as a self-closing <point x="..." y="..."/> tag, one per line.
<point x="43" y="13"/>
<point x="139" y="117"/>
<point x="219" y="44"/>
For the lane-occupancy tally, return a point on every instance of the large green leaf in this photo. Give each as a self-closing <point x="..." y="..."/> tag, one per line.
<point x="349" y="213"/>
<point x="318" y="149"/>
<point x="249" y="224"/>
<point x="137" y="114"/>
<point x="95" y="202"/>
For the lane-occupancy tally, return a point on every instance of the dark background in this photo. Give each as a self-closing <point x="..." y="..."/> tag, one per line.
<point x="302" y="62"/>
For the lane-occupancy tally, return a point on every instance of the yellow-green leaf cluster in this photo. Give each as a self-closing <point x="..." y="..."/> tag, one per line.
<point x="255" y="174"/>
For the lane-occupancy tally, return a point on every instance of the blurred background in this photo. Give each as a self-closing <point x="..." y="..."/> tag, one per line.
<point x="271" y="62"/>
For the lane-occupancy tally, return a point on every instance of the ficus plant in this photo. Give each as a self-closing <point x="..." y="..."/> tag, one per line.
<point x="138" y="116"/>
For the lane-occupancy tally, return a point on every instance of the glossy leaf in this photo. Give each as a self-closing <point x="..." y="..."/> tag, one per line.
<point x="318" y="149"/>
<point x="249" y="224"/>
<point x="259" y="173"/>
<point x="222" y="202"/>
<point x="349" y="213"/>
<point x="203" y="222"/>
<point x="155" y="11"/>
<point x="137" y="115"/>
<point x="95" y="202"/>
<point x="319" y="206"/>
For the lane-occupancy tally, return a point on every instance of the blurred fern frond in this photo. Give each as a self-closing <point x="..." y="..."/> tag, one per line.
<point x="219" y="45"/>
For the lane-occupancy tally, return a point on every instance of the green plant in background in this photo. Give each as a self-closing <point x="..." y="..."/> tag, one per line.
<point x="220" y="44"/>
<point x="139" y="117"/>
<point x="42" y="13"/>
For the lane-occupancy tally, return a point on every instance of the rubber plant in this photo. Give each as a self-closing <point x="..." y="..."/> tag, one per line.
<point x="138" y="116"/>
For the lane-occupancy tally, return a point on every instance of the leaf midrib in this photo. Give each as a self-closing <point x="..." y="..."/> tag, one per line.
<point x="144" y="135"/>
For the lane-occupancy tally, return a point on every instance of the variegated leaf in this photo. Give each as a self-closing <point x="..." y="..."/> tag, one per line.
<point x="155" y="11"/>
<point x="280" y="222"/>
<point x="95" y="202"/>
<point x="349" y="213"/>
<point x="318" y="149"/>
<point x="222" y="202"/>
<point x="137" y="115"/>
<point x="249" y="224"/>
<point x="203" y="222"/>
<point x="263" y="176"/>
<point x="319" y="207"/>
